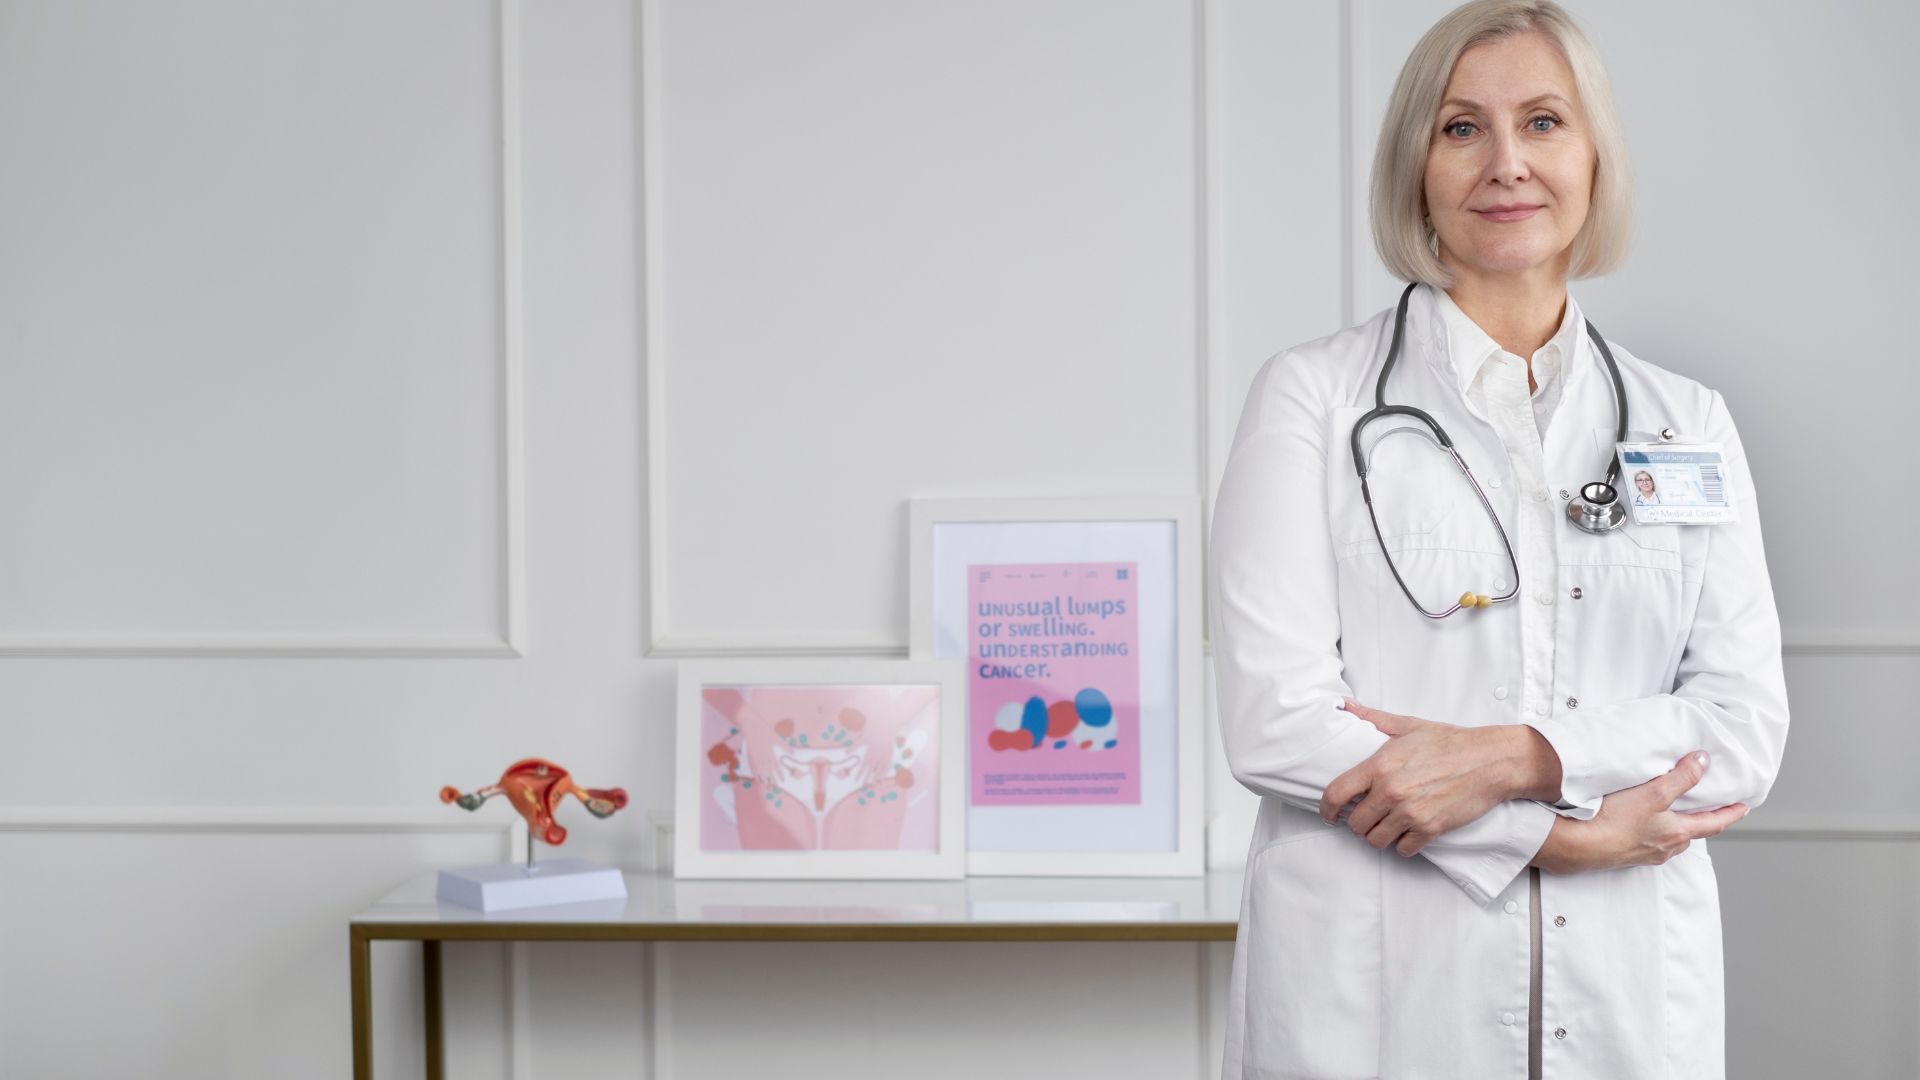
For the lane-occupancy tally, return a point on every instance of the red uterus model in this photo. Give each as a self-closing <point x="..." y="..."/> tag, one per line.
<point x="535" y="787"/>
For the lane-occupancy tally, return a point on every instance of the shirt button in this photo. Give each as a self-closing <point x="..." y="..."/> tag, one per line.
<point x="1501" y="584"/>
<point x="1507" y="1019"/>
<point x="1546" y="598"/>
<point x="1559" y="1033"/>
<point x="1559" y="920"/>
<point x="1512" y="907"/>
<point x="1540" y="709"/>
<point x="1499" y="693"/>
<point x="1539" y="496"/>
<point x="1493" y="481"/>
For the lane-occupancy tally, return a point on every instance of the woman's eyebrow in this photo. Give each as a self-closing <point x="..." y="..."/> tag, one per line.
<point x="1477" y="107"/>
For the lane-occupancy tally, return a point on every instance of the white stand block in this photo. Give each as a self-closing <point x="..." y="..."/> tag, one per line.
<point x="507" y="886"/>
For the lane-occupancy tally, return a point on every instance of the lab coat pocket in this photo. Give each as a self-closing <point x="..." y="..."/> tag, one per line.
<point x="1313" y="957"/>
<point x="1415" y="484"/>
<point x="1635" y="593"/>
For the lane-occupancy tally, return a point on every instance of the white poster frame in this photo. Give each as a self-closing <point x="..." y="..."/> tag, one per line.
<point x="942" y="533"/>
<point x="947" y="861"/>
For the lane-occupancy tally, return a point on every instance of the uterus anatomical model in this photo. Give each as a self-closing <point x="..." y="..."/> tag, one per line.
<point x="822" y="767"/>
<point x="535" y="787"/>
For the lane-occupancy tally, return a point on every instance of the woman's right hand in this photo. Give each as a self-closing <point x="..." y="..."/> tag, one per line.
<point x="1634" y="827"/>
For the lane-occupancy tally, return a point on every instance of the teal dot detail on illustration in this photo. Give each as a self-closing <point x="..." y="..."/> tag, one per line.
<point x="1058" y="743"/>
<point x="1111" y="743"/>
<point x="746" y="783"/>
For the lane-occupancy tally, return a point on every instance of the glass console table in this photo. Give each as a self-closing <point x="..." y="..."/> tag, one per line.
<point x="659" y="908"/>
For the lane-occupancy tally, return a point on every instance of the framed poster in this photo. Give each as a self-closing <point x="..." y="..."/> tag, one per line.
<point x="819" y="769"/>
<point x="1078" y="622"/>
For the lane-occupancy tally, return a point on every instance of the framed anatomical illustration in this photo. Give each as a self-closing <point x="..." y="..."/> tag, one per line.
<point x="819" y="769"/>
<point x="1078" y="625"/>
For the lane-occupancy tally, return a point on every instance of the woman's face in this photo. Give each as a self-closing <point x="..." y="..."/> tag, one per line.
<point x="1644" y="483"/>
<point x="1509" y="132"/>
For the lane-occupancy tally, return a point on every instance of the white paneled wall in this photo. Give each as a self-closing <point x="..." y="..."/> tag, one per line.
<point x="389" y="391"/>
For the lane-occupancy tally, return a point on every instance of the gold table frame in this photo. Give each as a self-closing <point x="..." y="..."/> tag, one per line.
<point x="1212" y="918"/>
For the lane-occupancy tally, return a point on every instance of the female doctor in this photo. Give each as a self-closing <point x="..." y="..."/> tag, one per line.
<point x="1596" y="702"/>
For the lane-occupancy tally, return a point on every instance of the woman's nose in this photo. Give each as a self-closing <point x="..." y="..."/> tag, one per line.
<point x="1509" y="163"/>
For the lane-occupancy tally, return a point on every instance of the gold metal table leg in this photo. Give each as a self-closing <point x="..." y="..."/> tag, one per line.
<point x="361" y="978"/>
<point x="436" y="1048"/>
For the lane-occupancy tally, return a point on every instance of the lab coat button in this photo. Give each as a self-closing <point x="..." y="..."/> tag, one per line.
<point x="1500" y="693"/>
<point x="1507" y="1019"/>
<point x="1512" y="907"/>
<point x="1559" y="1033"/>
<point x="1576" y="592"/>
<point x="1565" y="495"/>
<point x="1559" y="920"/>
<point x="1573" y="703"/>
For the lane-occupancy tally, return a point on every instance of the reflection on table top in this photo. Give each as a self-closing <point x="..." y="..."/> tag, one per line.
<point x="660" y="908"/>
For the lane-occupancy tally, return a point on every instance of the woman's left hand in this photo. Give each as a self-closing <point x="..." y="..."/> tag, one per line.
<point x="1427" y="780"/>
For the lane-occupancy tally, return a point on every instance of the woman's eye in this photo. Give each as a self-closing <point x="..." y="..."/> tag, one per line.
<point x="1454" y="128"/>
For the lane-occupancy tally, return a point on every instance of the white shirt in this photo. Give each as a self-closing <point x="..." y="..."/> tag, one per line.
<point x="1489" y="374"/>
<point x="1353" y="961"/>
<point x="1494" y="381"/>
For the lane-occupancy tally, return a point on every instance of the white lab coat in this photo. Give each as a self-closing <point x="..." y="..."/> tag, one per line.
<point x="1356" y="962"/>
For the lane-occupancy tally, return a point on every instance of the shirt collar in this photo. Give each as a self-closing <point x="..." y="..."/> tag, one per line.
<point x="1459" y="342"/>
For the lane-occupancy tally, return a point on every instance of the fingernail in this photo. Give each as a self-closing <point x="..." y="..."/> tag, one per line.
<point x="1701" y="757"/>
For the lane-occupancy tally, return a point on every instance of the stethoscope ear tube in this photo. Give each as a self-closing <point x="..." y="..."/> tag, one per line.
<point x="1598" y="508"/>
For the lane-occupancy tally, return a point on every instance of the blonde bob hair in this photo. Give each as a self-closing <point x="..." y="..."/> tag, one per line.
<point x="1402" y="233"/>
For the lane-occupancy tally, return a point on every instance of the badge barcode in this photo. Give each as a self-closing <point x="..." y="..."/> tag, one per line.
<point x="1710" y="486"/>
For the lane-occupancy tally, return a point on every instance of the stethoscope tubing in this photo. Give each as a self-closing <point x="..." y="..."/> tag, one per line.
<point x="1381" y="410"/>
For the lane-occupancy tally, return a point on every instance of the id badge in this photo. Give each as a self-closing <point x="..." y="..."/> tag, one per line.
<point x="1670" y="483"/>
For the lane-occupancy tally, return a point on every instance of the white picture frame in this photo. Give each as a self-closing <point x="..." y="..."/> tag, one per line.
<point x="829" y="759"/>
<point x="1161" y="835"/>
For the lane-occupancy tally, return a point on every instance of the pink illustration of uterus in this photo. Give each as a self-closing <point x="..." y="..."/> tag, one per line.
<point x="822" y="767"/>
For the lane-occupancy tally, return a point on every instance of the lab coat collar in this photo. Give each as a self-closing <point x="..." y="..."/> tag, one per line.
<point x="1447" y="337"/>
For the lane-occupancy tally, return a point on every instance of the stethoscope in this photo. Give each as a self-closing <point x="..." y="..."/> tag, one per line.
<point x="1597" y="509"/>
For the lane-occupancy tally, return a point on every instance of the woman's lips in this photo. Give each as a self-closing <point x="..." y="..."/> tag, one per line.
<point x="1508" y="215"/>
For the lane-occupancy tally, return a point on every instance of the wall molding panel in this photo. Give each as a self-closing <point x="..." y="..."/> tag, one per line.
<point x="257" y="819"/>
<point x="511" y="638"/>
<point x="392" y="1013"/>
<point x="1842" y="642"/>
<point x="664" y="642"/>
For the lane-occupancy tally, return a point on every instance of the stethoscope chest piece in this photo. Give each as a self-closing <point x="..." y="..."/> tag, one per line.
<point x="1598" y="508"/>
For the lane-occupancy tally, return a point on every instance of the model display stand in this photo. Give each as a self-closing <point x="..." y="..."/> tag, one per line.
<point x="535" y="787"/>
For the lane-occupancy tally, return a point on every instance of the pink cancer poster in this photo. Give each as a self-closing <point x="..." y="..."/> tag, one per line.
<point x="794" y="768"/>
<point x="1053" y="684"/>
